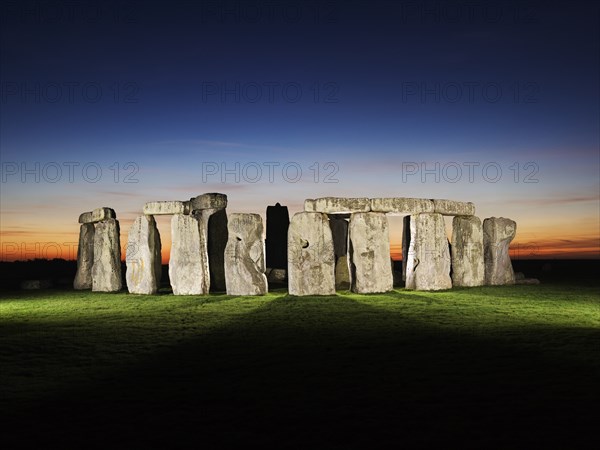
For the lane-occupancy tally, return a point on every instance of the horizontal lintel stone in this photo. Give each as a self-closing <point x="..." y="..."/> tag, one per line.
<point x="212" y="200"/>
<point x="166" y="207"/>
<point x="337" y="205"/>
<point x="403" y="205"/>
<point x="97" y="215"/>
<point x="453" y="208"/>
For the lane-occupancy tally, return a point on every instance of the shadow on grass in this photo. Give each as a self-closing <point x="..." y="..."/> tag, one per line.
<point x="329" y="372"/>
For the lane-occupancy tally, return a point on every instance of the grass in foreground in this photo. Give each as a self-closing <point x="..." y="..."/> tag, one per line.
<point x="487" y="367"/>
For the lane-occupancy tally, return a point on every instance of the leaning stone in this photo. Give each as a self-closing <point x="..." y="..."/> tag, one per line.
<point x="245" y="255"/>
<point x="467" y="251"/>
<point x="497" y="236"/>
<point x="278" y="222"/>
<point x="401" y="205"/>
<point x="167" y="207"/>
<point x="209" y="201"/>
<point x="311" y="260"/>
<point x="143" y="257"/>
<point x="453" y="208"/>
<point x="97" y="215"/>
<point x="106" y="272"/>
<point x="85" y="257"/>
<point x="337" y="205"/>
<point x="428" y="264"/>
<point x="369" y="251"/>
<point x="188" y="263"/>
<point x="215" y="226"/>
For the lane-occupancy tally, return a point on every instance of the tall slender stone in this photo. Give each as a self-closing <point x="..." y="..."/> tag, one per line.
<point x="278" y="222"/>
<point x="369" y="249"/>
<point x="339" y="233"/>
<point x="188" y="263"/>
<point x="497" y="236"/>
<point x="405" y="244"/>
<point x="467" y="251"/>
<point x="106" y="272"/>
<point x="85" y="257"/>
<point x="311" y="259"/>
<point x="210" y="208"/>
<point x="143" y="258"/>
<point x="245" y="256"/>
<point x="214" y="223"/>
<point x="428" y="262"/>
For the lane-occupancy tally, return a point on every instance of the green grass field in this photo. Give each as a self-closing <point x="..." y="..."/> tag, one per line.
<point x="489" y="367"/>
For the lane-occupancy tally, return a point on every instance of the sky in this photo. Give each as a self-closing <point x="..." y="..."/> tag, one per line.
<point x="117" y="104"/>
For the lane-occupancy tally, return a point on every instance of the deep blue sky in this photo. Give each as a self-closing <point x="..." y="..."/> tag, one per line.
<point x="369" y="63"/>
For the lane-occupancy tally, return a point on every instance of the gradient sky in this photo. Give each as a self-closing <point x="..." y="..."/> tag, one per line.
<point x="158" y="96"/>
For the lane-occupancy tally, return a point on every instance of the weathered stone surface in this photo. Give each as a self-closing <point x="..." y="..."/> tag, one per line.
<point x="337" y="205"/>
<point x="467" y="251"/>
<point x="97" y="215"/>
<point x="401" y="205"/>
<point x="278" y="221"/>
<point x="106" y="271"/>
<point x="245" y="256"/>
<point x="215" y="226"/>
<point x="428" y="262"/>
<point x="339" y="233"/>
<point x="85" y="257"/>
<point x="497" y="236"/>
<point x="311" y="259"/>
<point x="212" y="200"/>
<point x="453" y="208"/>
<point x="188" y="263"/>
<point x="405" y="244"/>
<point x="277" y="275"/>
<point x="369" y="251"/>
<point x="166" y="207"/>
<point x="342" y="273"/>
<point x="143" y="258"/>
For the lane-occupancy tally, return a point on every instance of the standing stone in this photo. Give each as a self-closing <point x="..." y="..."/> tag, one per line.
<point x="245" y="256"/>
<point x="143" y="257"/>
<point x="497" y="236"/>
<point x="339" y="233"/>
<point x="405" y="244"/>
<point x="467" y="251"/>
<point x="85" y="257"/>
<point x="278" y="222"/>
<point x="188" y="263"/>
<point x="311" y="259"/>
<point x="214" y="223"/>
<point x="106" y="272"/>
<point x="369" y="249"/>
<point x="428" y="262"/>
